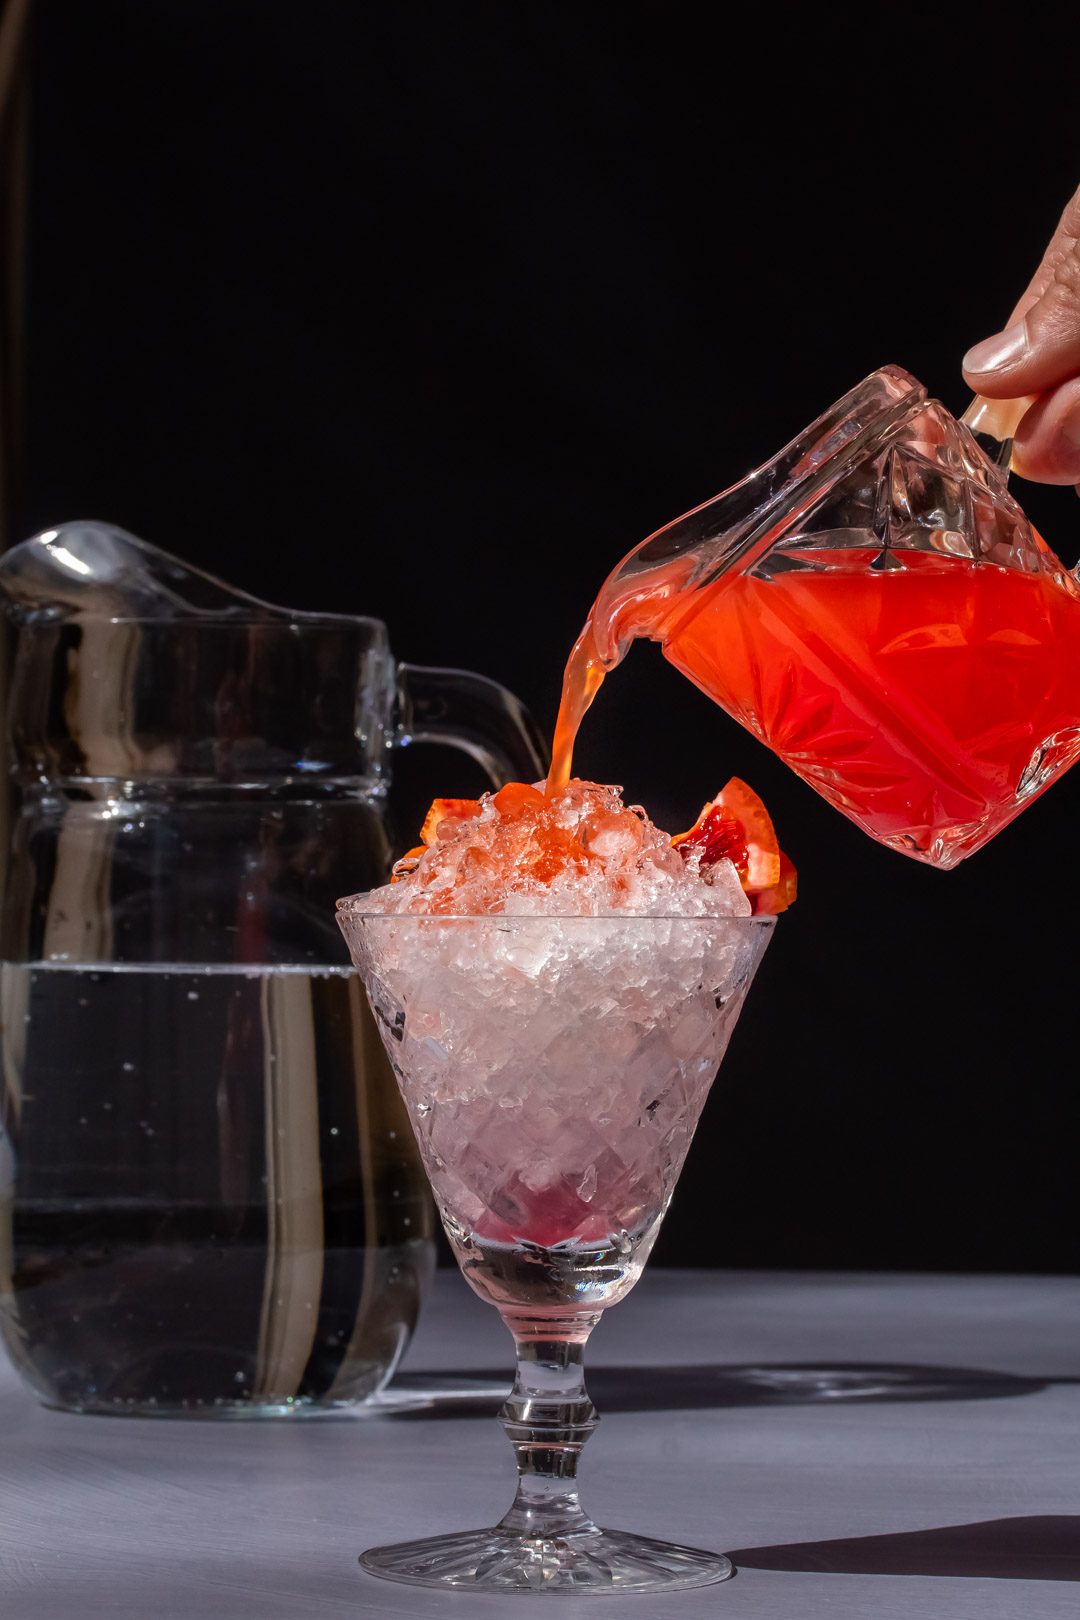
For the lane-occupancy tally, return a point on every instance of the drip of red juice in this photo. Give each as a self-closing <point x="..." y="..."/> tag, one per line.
<point x="626" y="609"/>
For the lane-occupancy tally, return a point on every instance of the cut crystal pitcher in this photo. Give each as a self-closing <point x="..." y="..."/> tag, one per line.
<point x="874" y="605"/>
<point x="212" y="1197"/>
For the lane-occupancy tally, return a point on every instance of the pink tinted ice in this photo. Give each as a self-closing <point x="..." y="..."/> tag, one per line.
<point x="582" y="852"/>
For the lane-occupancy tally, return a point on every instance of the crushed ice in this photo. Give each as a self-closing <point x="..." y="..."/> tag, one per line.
<point x="582" y="852"/>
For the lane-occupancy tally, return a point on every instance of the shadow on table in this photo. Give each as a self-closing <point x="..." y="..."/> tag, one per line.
<point x="689" y="1388"/>
<point x="1033" y="1549"/>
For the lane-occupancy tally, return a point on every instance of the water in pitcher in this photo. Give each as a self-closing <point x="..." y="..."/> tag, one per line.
<point x="263" y="1235"/>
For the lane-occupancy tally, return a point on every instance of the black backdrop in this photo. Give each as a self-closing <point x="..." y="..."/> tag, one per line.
<point x="431" y="311"/>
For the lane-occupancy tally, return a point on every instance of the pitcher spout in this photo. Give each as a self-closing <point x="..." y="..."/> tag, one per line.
<point x="94" y="569"/>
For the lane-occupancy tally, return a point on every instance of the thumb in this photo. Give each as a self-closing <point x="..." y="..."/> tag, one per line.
<point x="1041" y="347"/>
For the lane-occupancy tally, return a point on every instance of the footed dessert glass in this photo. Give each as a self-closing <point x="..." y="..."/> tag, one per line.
<point x="554" y="1069"/>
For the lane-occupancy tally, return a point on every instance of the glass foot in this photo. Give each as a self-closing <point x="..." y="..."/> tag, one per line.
<point x="588" y="1561"/>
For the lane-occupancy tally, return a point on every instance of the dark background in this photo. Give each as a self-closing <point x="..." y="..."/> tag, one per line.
<point x="431" y="311"/>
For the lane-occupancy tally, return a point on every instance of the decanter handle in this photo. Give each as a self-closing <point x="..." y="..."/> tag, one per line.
<point x="470" y="712"/>
<point x="996" y="420"/>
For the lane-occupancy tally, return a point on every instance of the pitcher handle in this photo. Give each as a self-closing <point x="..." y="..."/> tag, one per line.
<point x="474" y="714"/>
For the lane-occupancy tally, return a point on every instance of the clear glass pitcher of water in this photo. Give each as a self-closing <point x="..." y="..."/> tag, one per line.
<point x="212" y="1199"/>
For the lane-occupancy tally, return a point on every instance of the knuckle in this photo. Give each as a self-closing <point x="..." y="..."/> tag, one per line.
<point x="1066" y="281"/>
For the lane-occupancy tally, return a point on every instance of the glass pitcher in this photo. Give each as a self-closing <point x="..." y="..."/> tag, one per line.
<point x="212" y="1199"/>
<point x="874" y="605"/>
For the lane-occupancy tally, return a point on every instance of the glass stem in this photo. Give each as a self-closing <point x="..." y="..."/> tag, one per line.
<point x="548" y="1417"/>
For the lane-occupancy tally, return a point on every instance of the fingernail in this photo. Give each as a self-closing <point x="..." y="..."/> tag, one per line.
<point x="999" y="352"/>
<point x="1070" y="429"/>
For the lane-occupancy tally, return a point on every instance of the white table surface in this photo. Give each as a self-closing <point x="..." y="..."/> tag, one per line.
<point x="865" y="1447"/>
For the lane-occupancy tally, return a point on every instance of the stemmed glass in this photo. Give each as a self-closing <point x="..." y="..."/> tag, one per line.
<point x="554" y="1069"/>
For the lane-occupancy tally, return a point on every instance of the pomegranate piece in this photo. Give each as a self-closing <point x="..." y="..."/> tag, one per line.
<point x="445" y="810"/>
<point x="715" y="834"/>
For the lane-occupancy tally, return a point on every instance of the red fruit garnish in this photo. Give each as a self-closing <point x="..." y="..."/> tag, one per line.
<point x="771" y="902"/>
<point x="446" y="810"/>
<point x="737" y="824"/>
<point x="715" y="834"/>
<point x="762" y="848"/>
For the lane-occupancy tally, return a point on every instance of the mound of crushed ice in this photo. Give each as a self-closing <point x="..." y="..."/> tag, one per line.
<point x="582" y="852"/>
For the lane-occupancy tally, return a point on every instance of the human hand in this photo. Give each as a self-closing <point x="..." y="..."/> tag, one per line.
<point x="1037" y="359"/>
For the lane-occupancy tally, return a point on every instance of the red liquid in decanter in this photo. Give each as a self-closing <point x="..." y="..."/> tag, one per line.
<point x="908" y="645"/>
<point x="928" y="703"/>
